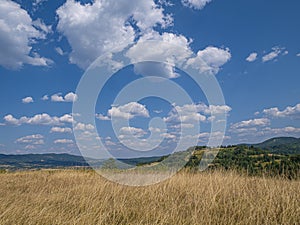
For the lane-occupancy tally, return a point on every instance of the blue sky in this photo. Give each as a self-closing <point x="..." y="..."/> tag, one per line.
<point x="251" y="48"/>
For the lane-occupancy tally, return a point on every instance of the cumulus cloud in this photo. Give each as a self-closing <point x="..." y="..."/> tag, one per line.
<point x="61" y="130"/>
<point x="196" y="4"/>
<point x="184" y="114"/>
<point x="39" y="119"/>
<point x="106" y="26"/>
<point x="252" y="57"/>
<point x="276" y="51"/>
<point x="210" y="60"/>
<point x="35" y="139"/>
<point x="165" y="47"/>
<point x="290" y="111"/>
<point x="45" y="98"/>
<point x="128" y="131"/>
<point x="129" y="111"/>
<point x="282" y="131"/>
<point x="27" y="100"/>
<point x="251" y="123"/>
<point x="191" y="113"/>
<point x="70" y="97"/>
<point x="169" y="47"/>
<point x="17" y="34"/>
<point x="213" y="109"/>
<point x="67" y="118"/>
<point x="84" y="127"/>
<point x="63" y="141"/>
<point x="175" y="49"/>
<point x="102" y="117"/>
<point x="298" y="54"/>
<point x="254" y="134"/>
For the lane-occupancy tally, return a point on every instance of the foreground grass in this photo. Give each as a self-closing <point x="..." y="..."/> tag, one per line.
<point x="77" y="197"/>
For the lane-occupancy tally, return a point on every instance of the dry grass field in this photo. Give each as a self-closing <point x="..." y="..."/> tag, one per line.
<point x="82" y="197"/>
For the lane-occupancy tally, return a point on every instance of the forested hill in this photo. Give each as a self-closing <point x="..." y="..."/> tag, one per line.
<point x="280" y="145"/>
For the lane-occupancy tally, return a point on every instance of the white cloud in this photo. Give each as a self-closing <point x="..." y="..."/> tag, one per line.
<point x="57" y="98"/>
<point x="210" y="60"/>
<point x="84" y="127"/>
<point x="252" y="57"/>
<point x="175" y="49"/>
<point x="191" y="113"/>
<point x="283" y="130"/>
<point x="168" y="136"/>
<point x="214" y="109"/>
<point x="63" y="141"/>
<point x="67" y="118"/>
<point x="298" y="54"/>
<point x="40" y="25"/>
<point x="290" y="111"/>
<point x="165" y="47"/>
<point x="17" y="33"/>
<point x="39" y="119"/>
<point x="256" y="134"/>
<point x="110" y="143"/>
<point x="37" y="3"/>
<point x="35" y="139"/>
<point x="105" y="26"/>
<point x="244" y="131"/>
<point x="156" y="69"/>
<point x="11" y="120"/>
<point x="276" y="51"/>
<point x="251" y="123"/>
<point x="128" y="111"/>
<point x="161" y="50"/>
<point x="61" y="130"/>
<point x="196" y="4"/>
<point x="102" y="117"/>
<point x="30" y="147"/>
<point x="27" y="100"/>
<point x="59" y="51"/>
<point x="45" y="98"/>
<point x="70" y="97"/>
<point x="128" y="131"/>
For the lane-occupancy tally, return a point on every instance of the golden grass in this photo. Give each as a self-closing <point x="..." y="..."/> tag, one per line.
<point x="78" y="197"/>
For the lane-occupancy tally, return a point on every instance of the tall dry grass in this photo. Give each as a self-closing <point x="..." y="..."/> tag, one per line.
<point x="76" y="197"/>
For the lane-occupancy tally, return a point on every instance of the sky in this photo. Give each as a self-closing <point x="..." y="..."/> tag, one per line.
<point x="245" y="53"/>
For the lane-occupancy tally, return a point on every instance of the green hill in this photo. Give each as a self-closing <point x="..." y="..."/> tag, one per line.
<point x="251" y="160"/>
<point x="281" y="145"/>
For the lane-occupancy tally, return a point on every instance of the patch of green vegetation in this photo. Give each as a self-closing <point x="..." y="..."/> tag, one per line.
<point x="251" y="160"/>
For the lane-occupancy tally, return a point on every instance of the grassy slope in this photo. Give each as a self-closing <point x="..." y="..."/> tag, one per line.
<point x="75" y="197"/>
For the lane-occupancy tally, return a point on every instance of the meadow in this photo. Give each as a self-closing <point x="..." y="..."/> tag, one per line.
<point x="84" y="197"/>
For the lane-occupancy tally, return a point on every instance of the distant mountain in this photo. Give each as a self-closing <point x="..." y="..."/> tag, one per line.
<point x="281" y="145"/>
<point x="36" y="161"/>
<point x="44" y="161"/>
